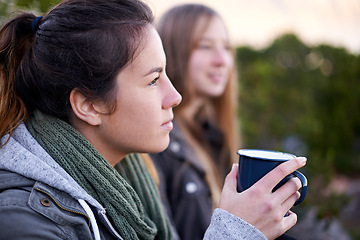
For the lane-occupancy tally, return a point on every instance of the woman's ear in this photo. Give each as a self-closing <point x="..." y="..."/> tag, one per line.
<point x="84" y="109"/>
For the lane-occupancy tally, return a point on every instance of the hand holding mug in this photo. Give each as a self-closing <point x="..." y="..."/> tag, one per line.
<point x="255" y="164"/>
<point x="259" y="205"/>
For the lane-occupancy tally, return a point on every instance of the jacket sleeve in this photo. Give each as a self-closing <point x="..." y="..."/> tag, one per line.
<point x="225" y="225"/>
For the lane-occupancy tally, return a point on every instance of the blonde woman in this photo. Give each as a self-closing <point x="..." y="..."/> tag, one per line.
<point x="204" y="140"/>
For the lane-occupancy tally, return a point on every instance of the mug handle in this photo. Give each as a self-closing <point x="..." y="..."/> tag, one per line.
<point x="304" y="186"/>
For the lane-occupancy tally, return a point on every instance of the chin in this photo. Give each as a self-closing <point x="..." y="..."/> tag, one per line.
<point x="161" y="146"/>
<point x="215" y="93"/>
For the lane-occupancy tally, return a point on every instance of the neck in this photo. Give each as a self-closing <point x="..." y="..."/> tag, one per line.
<point x="112" y="154"/>
<point x="189" y="112"/>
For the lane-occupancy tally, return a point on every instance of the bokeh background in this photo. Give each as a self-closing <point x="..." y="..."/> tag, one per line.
<point x="298" y="63"/>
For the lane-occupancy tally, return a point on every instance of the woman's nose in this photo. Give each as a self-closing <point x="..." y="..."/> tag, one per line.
<point x="221" y="57"/>
<point x="172" y="96"/>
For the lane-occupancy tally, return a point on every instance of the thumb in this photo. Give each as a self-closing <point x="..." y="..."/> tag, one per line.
<point x="231" y="179"/>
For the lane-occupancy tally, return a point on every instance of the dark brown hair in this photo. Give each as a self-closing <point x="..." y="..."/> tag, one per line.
<point x="79" y="44"/>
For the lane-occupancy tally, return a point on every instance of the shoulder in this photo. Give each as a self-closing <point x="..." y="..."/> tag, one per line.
<point x="17" y="219"/>
<point x="14" y="189"/>
<point x="31" y="208"/>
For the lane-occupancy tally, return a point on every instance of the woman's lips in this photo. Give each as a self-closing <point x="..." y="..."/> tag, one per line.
<point x="217" y="78"/>
<point x="168" y="125"/>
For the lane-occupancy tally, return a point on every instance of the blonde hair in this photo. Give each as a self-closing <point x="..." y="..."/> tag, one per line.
<point x="180" y="30"/>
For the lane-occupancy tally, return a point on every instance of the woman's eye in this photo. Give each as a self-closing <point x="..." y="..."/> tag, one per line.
<point x="204" y="46"/>
<point x="153" y="82"/>
<point x="227" y="47"/>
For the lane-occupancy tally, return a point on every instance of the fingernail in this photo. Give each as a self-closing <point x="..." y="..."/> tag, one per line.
<point x="302" y="159"/>
<point x="234" y="166"/>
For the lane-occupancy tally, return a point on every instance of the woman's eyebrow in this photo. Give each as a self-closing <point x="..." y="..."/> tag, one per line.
<point x="156" y="69"/>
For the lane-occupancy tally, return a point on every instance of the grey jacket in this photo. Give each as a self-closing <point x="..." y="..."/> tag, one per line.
<point x="39" y="200"/>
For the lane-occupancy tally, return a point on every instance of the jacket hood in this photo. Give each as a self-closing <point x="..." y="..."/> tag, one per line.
<point x="23" y="155"/>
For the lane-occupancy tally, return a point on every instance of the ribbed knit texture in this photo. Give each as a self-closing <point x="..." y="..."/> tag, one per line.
<point x="132" y="201"/>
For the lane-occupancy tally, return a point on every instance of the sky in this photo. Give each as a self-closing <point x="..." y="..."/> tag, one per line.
<point x="257" y="23"/>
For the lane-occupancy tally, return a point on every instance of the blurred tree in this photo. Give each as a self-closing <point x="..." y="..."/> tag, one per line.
<point x="8" y="7"/>
<point x="338" y="109"/>
<point x="302" y="100"/>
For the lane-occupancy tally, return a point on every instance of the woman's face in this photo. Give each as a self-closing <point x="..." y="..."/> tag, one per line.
<point x="211" y="61"/>
<point x="145" y="98"/>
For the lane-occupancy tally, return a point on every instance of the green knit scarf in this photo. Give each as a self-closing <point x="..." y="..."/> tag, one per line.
<point x="128" y="193"/>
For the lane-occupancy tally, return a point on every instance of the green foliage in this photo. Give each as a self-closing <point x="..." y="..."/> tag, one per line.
<point x="303" y="100"/>
<point x="41" y="5"/>
<point x="331" y="206"/>
<point x="9" y="7"/>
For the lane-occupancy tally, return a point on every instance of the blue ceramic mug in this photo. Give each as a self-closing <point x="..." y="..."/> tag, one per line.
<point x="254" y="164"/>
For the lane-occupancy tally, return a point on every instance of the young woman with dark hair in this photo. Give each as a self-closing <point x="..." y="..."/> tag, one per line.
<point x="83" y="91"/>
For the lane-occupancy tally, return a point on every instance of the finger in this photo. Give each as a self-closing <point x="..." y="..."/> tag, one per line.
<point x="270" y="180"/>
<point x="287" y="190"/>
<point x="290" y="192"/>
<point x="231" y="179"/>
<point x="286" y="223"/>
<point x="289" y="203"/>
<point x="289" y="221"/>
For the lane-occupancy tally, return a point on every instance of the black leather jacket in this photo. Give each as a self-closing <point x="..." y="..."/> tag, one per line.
<point x="183" y="188"/>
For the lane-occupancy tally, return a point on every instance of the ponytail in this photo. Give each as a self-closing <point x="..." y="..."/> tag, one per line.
<point x="16" y="38"/>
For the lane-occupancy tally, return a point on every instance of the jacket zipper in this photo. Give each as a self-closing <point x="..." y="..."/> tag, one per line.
<point x="65" y="209"/>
